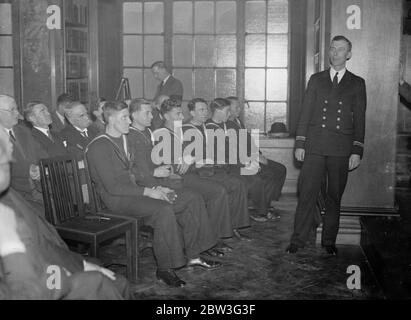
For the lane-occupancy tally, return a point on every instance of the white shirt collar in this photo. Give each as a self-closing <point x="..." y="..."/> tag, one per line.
<point x="166" y="79"/>
<point x="45" y="131"/>
<point x="340" y="74"/>
<point x="62" y="119"/>
<point x="79" y="130"/>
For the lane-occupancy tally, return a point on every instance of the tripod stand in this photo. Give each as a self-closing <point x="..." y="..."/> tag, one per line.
<point x="124" y="88"/>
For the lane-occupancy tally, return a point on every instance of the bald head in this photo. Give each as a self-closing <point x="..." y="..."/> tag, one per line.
<point x="9" y="113"/>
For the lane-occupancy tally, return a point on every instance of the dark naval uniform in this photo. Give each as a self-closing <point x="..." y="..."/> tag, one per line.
<point x="236" y="189"/>
<point x="214" y="195"/>
<point x="181" y="230"/>
<point x="273" y="173"/>
<point x="331" y="128"/>
<point x="254" y="183"/>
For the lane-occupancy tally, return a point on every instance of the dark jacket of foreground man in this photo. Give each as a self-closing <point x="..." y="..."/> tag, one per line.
<point x="25" y="275"/>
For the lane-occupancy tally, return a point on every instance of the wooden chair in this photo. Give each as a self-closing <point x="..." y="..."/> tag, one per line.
<point x="66" y="210"/>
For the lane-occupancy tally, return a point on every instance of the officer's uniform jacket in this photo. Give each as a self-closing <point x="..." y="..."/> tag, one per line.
<point x="332" y="121"/>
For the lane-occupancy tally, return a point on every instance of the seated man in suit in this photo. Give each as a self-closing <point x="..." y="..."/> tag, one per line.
<point x="58" y="119"/>
<point x="272" y="173"/>
<point x="39" y="116"/>
<point x="168" y="86"/>
<point x="30" y="248"/>
<point x="181" y="226"/>
<point x="78" y="133"/>
<point x="25" y="172"/>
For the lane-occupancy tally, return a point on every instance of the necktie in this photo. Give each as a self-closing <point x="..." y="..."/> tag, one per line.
<point x="335" y="81"/>
<point x="12" y="137"/>
<point x="49" y="135"/>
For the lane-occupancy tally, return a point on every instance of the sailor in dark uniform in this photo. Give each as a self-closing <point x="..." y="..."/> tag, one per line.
<point x="236" y="188"/>
<point x="330" y="141"/>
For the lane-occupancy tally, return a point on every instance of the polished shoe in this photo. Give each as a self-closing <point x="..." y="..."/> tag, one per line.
<point x="292" y="248"/>
<point x="331" y="249"/>
<point x="204" y="263"/>
<point x="170" y="278"/>
<point x="240" y="236"/>
<point x="224" y="247"/>
<point x="215" y="253"/>
<point x="258" y="218"/>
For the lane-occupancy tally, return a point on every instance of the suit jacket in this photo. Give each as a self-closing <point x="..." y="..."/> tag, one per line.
<point x="57" y="125"/>
<point x="53" y="148"/>
<point x="26" y="151"/>
<point x="173" y="88"/>
<point x="76" y="143"/>
<point x="332" y="121"/>
<point x="157" y="121"/>
<point x="26" y="274"/>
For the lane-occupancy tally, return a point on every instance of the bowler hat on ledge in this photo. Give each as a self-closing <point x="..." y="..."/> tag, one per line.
<point x="278" y="130"/>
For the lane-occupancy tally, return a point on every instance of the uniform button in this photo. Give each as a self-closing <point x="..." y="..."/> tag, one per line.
<point x="326" y="101"/>
<point x="338" y="127"/>
<point x="323" y="126"/>
<point x="324" y="118"/>
<point x="338" y="119"/>
<point x="339" y="111"/>
<point x="340" y="103"/>
<point x="325" y="109"/>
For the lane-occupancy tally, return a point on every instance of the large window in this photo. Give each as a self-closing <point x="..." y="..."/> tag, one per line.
<point x="143" y="44"/>
<point x="216" y="48"/>
<point x="6" y="52"/>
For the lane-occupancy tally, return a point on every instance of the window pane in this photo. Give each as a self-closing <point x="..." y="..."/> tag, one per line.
<point x="183" y="17"/>
<point x="183" y="51"/>
<point x="278" y="16"/>
<point x="133" y="51"/>
<point x="255" y="51"/>
<point x="204" y="84"/>
<point x="226" y="17"/>
<point x="185" y="76"/>
<point x="5" y="18"/>
<point x="132" y="17"/>
<point x="254" y="115"/>
<point x="226" y="51"/>
<point x="255" y="17"/>
<point x="204" y="17"/>
<point x="226" y="83"/>
<point x="275" y="112"/>
<point x="150" y="84"/>
<point x="6" y="52"/>
<point x="153" y="49"/>
<point x="204" y="51"/>
<point x="153" y="17"/>
<point x="135" y="78"/>
<point x="255" y="84"/>
<point x="277" y="51"/>
<point x="277" y="84"/>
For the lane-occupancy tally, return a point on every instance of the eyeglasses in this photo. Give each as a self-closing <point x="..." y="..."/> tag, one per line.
<point x="13" y="110"/>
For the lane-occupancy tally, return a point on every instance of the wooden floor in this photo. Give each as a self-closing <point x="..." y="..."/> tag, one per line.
<point x="261" y="269"/>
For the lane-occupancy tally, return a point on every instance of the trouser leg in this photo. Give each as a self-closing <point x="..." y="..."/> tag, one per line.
<point x="216" y="201"/>
<point x="273" y="175"/>
<point x="168" y="246"/>
<point x="337" y="170"/>
<point x="238" y="201"/>
<point x="194" y="224"/>
<point x="309" y="186"/>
